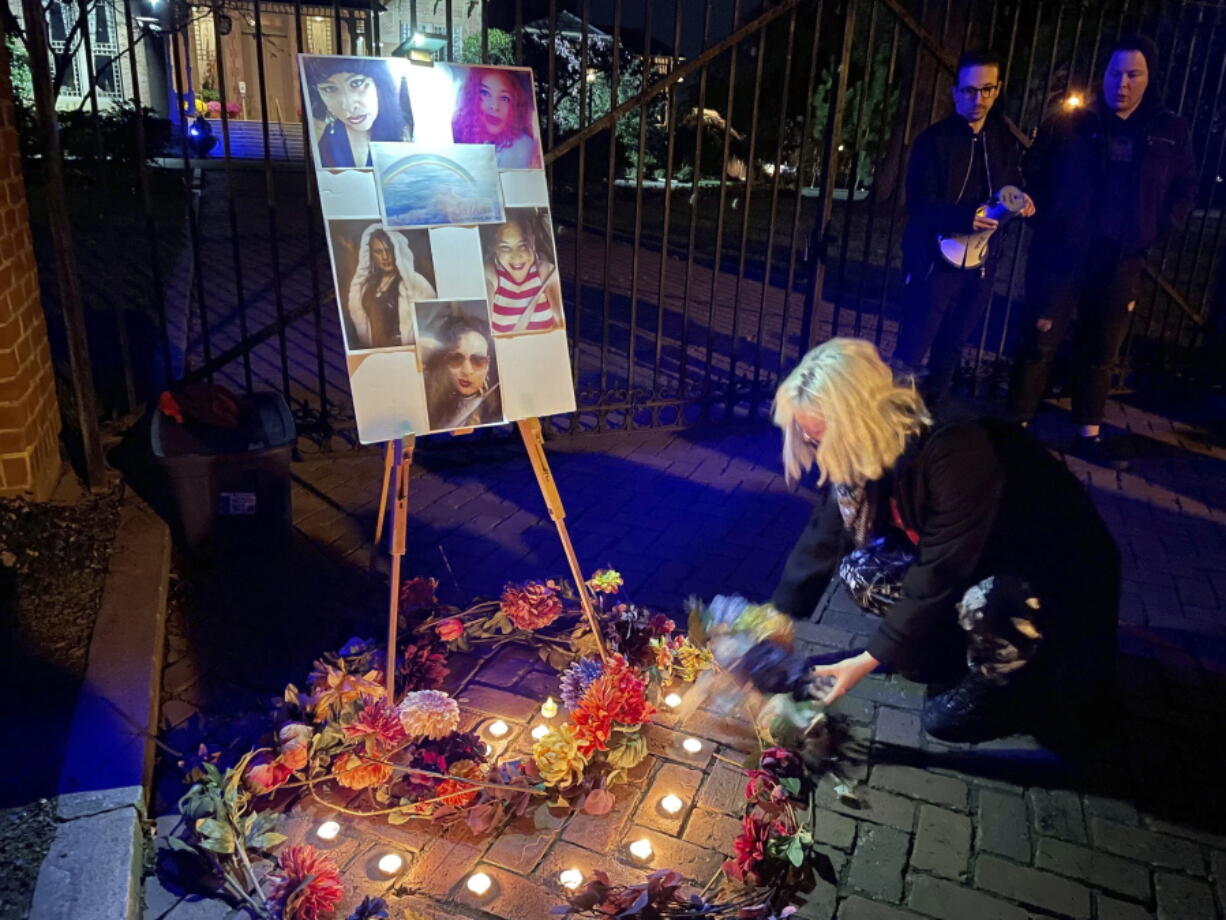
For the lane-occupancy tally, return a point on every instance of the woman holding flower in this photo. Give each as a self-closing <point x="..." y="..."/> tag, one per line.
<point x="1013" y="572"/>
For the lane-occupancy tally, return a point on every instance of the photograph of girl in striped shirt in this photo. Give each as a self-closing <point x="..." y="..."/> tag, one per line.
<point x="521" y="277"/>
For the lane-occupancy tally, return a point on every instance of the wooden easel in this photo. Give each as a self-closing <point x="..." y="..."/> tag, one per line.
<point x="397" y="460"/>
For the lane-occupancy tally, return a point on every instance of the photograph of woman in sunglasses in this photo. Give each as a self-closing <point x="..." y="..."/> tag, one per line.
<point x="461" y="373"/>
<point x="353" y="101"/>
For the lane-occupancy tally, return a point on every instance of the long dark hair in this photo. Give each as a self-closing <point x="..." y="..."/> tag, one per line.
<point x="390" y="124"/>
<point x="441" y="400"/>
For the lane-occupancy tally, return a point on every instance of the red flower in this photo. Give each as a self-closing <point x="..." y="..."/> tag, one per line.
<point x="532" y="605"/>
<point x="378" y="727"/>
<point x="307" y="883"/>
<point x="459" y="794"/>
<point x="418" y="592"/>
<point x="449" y="630"/>
<point x="618" y="695"/>
<point x="750" y="849"/>
<point x="266" y="774"/>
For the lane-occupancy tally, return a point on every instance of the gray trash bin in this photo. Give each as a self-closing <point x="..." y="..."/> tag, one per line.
<point x="230" y="486"/>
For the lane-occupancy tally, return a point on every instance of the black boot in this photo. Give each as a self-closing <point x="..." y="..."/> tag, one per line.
<point x="972" y="710"/>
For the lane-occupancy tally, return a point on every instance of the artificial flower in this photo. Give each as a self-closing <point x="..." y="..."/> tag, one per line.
<point x="577" y="678"/>
<point x="306" y="883"/>
<point x="266" y="774"/>
<point x="429" y="714"/>
<point x="618" y="696"/>
<point x="449" y="630"/>
<point x="332" y="689"/>
<point x="558" y="757"/>
<point x="371" y="908"/>
<point x="533" y="604"/>
<point x="418" y="592"/>
<point x="353" y="771"/>
<point x="295" y="743"/>
<point x="690" y="660"/>
<point x="750" y="849"/>
<point x="460" y="794"/>
<point x="377" y="726"/>
<point x="606" y="581"/>
<point x="422" y="665"/>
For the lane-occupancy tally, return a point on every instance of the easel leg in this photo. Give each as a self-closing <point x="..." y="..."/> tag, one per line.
<point x="389" y="461"/>
<point x="403" y="460"/>
<point x="530" y="431"/>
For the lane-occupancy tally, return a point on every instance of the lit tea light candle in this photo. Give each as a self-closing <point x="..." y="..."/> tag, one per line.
<point x="498" y="728"/>
<point x="479" y="883"/>
<point x="540" y="732"/>
<point x="549" y="708"/>
<point x="571" y="878"/>
<point x="671" y="804"/>
<point x="486" y="748"/>
<point x="390" y="863"/>
<point x="692" y="745"/>
<point x="673" y="700"/>
<point x="641" y="849"/>
<point x="328" y="830"/>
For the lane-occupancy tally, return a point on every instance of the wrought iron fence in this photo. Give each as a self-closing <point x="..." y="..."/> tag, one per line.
<point x="726" y="186"/>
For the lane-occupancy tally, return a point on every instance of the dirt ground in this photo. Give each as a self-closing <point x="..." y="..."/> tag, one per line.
<point x="53" y="562"/>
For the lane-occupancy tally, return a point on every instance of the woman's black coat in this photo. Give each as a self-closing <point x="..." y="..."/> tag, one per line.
<point x="984" y="499"/>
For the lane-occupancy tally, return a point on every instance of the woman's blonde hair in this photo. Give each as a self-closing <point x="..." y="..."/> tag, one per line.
<point x="868" y="415"/>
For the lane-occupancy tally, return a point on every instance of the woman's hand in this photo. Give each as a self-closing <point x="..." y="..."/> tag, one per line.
<point x="846" y="673"/>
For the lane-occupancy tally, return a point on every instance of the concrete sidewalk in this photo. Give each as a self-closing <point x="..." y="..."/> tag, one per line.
<point x="999" y="830"/>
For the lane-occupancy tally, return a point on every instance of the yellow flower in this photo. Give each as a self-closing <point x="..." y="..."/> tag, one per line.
<point x="333" y="688"/>
<point x="606" y="581"/>
<point x="557" y="757"/>
<point x="691" y="660"/>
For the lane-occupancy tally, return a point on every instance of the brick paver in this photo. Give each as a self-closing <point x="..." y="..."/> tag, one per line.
<point x="1004" y="830"/>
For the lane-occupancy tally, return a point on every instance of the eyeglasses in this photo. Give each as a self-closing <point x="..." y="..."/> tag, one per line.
<point x="456" y="360"/>
<point x="987" y="92"/>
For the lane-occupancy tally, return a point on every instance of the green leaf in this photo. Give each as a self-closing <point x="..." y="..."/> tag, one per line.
<point x="791" y="785"/>
<point x="215" y="836"/>
<point x="398" y="817"/>
<point x="541" y="819"/>
<point x="266" y="841"/>
<point x="629" y="753"/>
<point x="796" y="852"/>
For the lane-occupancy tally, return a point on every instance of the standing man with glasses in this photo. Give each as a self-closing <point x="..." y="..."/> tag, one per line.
<point x="1119" y="174"/>
<point x="956" y="165"/>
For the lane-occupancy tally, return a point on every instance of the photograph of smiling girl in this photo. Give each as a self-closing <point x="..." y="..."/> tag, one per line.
<point x="495" y="105"/>
<point x="379" y="275"/>
<point x="353" y="101"/>
<point x="457" y="359"/>
<point x="521" y="274"/>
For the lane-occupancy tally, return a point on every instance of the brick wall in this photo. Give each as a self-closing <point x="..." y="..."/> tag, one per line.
<point x="29" y="414"/>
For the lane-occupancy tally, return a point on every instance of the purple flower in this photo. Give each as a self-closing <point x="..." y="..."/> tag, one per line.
<point x="577" y="678"/>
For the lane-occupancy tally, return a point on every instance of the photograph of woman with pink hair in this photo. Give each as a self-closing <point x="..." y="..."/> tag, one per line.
<point x="495" y="106"/>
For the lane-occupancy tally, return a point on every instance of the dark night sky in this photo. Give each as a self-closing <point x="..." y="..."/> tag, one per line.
<point x="663" y="12"/>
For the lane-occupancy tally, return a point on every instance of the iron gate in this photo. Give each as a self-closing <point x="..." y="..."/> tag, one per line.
<point x="726" y="186"/>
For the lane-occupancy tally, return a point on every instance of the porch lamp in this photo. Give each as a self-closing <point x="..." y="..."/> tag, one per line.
<point x="420" y="48"/>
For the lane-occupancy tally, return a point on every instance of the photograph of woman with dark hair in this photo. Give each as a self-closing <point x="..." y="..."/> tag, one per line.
<point x="460" y="369"/>
<point x="495" y="106"/>
<point x="521" y="281"/>
<point x="353" y="101"/>
<point x="383" y="290"/>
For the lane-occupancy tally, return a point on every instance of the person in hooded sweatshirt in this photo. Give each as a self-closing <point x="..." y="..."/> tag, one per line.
<point x="1111" y="179"/>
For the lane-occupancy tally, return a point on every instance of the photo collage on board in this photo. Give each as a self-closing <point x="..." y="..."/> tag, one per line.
<point x="432" y="185"/>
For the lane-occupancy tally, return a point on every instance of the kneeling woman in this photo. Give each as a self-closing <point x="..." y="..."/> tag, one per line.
<point x="1007" y="601"/>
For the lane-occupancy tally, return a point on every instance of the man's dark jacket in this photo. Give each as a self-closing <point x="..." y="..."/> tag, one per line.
<point x="1067" y="166"/>
<point x="939" y="165"/>
<point x="985" y="499"/>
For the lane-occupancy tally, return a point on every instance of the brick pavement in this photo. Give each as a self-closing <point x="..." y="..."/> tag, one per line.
<point x="1003" y="829"/>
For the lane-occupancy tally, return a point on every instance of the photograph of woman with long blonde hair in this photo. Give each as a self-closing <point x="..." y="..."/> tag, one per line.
<point x="996" y="581"/>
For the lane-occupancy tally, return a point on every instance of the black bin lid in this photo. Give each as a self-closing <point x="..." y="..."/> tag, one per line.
<point x="264" y="422"/>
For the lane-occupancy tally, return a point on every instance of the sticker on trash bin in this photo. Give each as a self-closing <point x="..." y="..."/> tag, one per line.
<point x="233" y="503"/>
